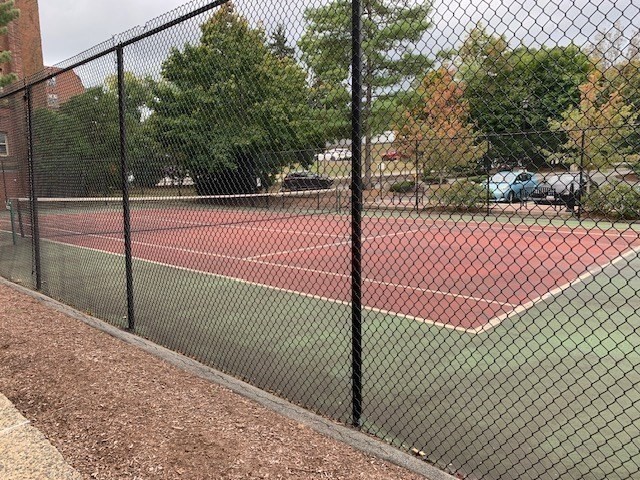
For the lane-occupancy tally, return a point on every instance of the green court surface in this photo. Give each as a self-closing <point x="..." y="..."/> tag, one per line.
<point x="550" y="393"/>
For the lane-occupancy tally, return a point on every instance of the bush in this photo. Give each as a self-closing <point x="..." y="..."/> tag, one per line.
<point x="619" y="201"/>
<point x="403" y="187"/>
<point x="463" y="195"/>
<point x="468" y="169"/>
<point x="477" y="179"/>
<point x="431" y="180"/>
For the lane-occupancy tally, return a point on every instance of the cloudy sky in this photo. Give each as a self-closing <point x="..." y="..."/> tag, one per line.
<point x="70" y="27"/>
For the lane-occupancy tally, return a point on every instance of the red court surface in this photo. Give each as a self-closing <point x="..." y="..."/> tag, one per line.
<point x="468" y="276"/>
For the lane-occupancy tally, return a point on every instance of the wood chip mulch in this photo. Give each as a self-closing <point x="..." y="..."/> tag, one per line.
<point x="114" y="411"/>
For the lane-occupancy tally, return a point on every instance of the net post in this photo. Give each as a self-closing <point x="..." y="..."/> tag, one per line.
<point x="35" y="229"/>
<point x="356" y="212"/>
<point x="126" y="213"/>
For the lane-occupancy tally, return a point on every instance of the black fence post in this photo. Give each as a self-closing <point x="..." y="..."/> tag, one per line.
<point x="356" y="211"/>
<point x="487" y="166"/>
<point x="581" y="185"/>
<point x="33" y="196"/>
<point x="124" y="176"/>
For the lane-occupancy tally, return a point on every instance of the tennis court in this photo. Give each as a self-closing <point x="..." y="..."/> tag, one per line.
<point x="464" y="275"/>
<point x="459" y="313"/>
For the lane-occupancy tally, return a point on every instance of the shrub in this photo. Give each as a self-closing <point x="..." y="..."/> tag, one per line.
<point x="403" y="187"/>
<point x="463" y="195"/>
<point x="431" y="180"/>
<point x="477" y="179"/>
<point x="620" y="201"/>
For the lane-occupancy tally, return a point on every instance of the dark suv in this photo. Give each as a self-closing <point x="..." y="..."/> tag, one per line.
<point x="561" y="189"/>
<point x="306" y="181"/>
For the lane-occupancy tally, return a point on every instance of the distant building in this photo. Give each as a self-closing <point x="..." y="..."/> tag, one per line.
<point x="385" y="137"/>
<point x="23" y="41"/>
<point x="61" y="88"/>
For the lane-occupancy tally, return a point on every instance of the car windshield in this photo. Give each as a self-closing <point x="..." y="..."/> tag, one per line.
<point x="564" y="179"/>
<point x="503" y="177"/>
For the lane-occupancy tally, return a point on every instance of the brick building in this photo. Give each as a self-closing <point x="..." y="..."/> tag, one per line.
<point x="61" y="88"/>
<point x="24" y="42"/>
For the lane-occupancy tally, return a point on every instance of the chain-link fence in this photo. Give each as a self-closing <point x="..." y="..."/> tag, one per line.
<point x="418" y="218"/>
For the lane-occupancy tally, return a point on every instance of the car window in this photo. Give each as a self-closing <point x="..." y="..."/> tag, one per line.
<point x="501" y="177"/>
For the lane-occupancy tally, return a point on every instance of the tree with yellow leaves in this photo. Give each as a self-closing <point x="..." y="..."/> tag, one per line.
<point x="437" y="127"/>
<point x="598" y="127"/>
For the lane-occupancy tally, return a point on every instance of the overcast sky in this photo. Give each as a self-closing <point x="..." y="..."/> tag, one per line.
<point x="72" y="26"/>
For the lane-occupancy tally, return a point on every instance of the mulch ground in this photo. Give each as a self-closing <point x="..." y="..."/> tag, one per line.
<point x="114" y="411"/>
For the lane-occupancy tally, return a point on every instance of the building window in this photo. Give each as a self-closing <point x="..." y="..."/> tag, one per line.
<point x="4" y="146"/>
<point x="52" y="100"/>
<point x="51" y="82"/>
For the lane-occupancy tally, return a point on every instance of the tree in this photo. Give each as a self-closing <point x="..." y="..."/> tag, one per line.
<point x="81" y="140"/>
<point x="278" y="44"/>
<point x="438" y="126"/>
<point x="145" y="159"/>
<point x="391" y="33"/>
<point x="513" y="93"/>
<point x="621" y="70"/>
<point x="597" y="127"/>
<point x="228" y="104"/>
<point x="7" y="14"/>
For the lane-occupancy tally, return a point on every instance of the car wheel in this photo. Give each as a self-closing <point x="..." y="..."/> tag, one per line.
<point x="511" y="196"/>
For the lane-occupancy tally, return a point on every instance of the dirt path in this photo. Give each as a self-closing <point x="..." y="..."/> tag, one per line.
<point x="115" y="411"/>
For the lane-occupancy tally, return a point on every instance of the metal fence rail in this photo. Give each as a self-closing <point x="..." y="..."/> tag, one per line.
<point x="414" y="218"/>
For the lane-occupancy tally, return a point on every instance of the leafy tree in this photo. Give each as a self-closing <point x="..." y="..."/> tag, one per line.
<point x="391" y="33"/>
<point x="513" y="93"/>
<point x="438" y="126"/>
<point x="621" y="68"/>
<point x="7" y="14"/>
<point x="144" y="157"/>
<point x="79" y="143"/>
<point x="597" y="127"/>
<point x="228" y="104"/>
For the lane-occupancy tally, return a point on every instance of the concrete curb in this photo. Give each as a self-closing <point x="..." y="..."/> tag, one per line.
<point x="344" y="434"/>
<point x="25" y="452"/>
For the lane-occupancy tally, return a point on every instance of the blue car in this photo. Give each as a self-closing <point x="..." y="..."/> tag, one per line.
<point x="511" y="186"/>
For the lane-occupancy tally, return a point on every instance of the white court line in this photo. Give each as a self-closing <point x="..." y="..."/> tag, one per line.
<point x="502" y="227"/>
<point x="494" y="322"/>
<point x="242" y="225"/>
<point x="331" y="245"/>
<point x="385" y="284"/>
<point x="271" y="287"/>
<point x="292" y="267"/>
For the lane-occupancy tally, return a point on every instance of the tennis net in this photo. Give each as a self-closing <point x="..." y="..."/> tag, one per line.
<point x="104" y="215"/>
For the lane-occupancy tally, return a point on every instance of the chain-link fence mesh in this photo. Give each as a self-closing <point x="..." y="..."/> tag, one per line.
<point x="471" y="297"/>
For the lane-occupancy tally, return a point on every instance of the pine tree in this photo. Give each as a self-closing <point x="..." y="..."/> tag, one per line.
<point x="392" y="32"/>
<point x="278" y="44"/>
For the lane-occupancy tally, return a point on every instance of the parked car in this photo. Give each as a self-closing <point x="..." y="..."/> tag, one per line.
<point x="511" y="186"/>
<point x="334" y="154"/>
<point x="393" y="155"/>
<point x="561" y="189"/>
<point x="306" y="181"/>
